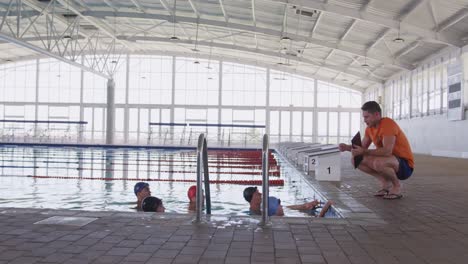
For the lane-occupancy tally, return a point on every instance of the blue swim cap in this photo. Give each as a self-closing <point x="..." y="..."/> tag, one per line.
<point x="139" y="186"/>
<point x="273" y="204"/>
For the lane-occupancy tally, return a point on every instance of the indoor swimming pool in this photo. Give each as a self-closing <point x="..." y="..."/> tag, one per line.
<point x="102" y="179"/>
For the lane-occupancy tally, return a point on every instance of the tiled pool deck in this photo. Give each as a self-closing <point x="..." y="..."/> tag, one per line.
<point x="429" y="225"/>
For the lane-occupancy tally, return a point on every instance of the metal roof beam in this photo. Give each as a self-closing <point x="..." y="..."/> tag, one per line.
<point x="346" y="33"/>
<point x="285" y="17"/>
<point x="271" y="53"/>
<point x="166" y="6"/>
<point x="221" y="4"/>
<point x="24" y="13"/>
<point x="425" y="34"/>
<point x="41" y="8"/>
<point x="110" y="4"/>
<point x="314" y="28"/>
<point x="226" y="18"/>
<point x="258" y="30"/>
<point x="433" y="15"/>
<point x="379" y="38"/>
<point x="453" y="20"/>
<point x="195" y="9"/>
<point x="366" y="6"/>
<point x="408" y="49"/>
<point x="137" y="4"/>
<point x="254" y="20"/>
<point x="92" y="21"/>
<point x="411" y="8"/>
<point x="27" y="45"/>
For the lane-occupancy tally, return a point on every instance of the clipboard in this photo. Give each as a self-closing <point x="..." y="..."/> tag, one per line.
<point x="356" y="141"/>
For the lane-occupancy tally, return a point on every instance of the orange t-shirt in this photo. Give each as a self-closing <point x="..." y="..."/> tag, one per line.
<point x="388" y="127"/>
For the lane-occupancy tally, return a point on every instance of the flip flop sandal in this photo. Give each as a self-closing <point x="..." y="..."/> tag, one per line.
<point x="393" y="196"/>
<point x="381" y="193"/>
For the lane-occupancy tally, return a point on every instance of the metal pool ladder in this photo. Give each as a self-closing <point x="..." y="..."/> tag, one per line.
<point x="202" y="168"/>
<point x="265" y="222"/>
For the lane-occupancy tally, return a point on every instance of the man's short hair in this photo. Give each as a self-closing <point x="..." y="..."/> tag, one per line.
<point x="249" y="192"/>
<point x="371" y="107"/>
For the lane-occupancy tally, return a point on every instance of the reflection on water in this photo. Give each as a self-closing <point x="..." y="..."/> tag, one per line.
<point x="103" y="179"/>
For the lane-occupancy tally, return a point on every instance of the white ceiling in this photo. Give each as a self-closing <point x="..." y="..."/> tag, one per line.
<point x="349" y="42"/>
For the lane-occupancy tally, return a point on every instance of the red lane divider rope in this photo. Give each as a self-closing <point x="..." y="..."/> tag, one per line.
<point x="271" y="173"/>
<point x="241" y="182"/>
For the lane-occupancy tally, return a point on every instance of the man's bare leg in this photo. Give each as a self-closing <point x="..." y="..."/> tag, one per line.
<point x="387" y="167"/>
<point x="390" y="174"/>
<point x="385" y="184"/>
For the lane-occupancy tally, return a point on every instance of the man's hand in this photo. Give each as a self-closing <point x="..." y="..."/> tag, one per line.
<point x="357" y="150"/>
<point x="343" y="147"/>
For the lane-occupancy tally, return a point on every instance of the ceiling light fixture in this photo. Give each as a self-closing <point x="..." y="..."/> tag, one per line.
<point x="365" y="65"/>
<point x="173" y="22"/>
<point x="284" y="64"/>
<point x="399" y="39"/>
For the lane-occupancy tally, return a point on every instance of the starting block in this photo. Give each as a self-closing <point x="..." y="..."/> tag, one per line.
<point x="326" y="165"/>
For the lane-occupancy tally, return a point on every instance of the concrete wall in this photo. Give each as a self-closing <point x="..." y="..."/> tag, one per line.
<point x="435" y="135"/>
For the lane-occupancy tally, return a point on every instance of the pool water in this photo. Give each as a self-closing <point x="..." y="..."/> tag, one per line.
<point x="102" y="179"/>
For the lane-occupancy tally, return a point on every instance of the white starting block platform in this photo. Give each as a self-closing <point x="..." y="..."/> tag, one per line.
<point x="325" y="163"/>
<point x="291" y="153"/>
<point x="284" y="146"/>
<point x="300" y="156"/>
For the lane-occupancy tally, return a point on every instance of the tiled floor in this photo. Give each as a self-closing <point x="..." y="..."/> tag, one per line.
<point x="429" y="225"/>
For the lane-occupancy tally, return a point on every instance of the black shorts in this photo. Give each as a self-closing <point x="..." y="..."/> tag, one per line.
<point x="404" y="170"/>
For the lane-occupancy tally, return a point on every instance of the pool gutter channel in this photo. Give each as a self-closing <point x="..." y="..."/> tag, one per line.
<point x="344" y="205"/>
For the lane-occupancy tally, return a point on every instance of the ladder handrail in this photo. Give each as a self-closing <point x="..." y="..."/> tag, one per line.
<point x="202" y="164"/>
<point x="265" y="181"/>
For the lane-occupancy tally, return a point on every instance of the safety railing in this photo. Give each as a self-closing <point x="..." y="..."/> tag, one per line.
<point x="48" y="131"/>
<point x="265" y="181"/>
<point x="184" y="134"/>
<point x="202" y="171"/>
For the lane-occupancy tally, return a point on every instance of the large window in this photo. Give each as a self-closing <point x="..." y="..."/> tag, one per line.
<point x="18" y="81"/>
<point x="94" y="88"/>
<point x="243" y="85"/>
<point x="196" y="82"/>
<point x="150" y="80"/>
<point x="59" y="82"/>
<point x="419" y="93"/>
<point x="288" y="90"/>
<point x="330" y="95"/>
<point x="167" y="99"/>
